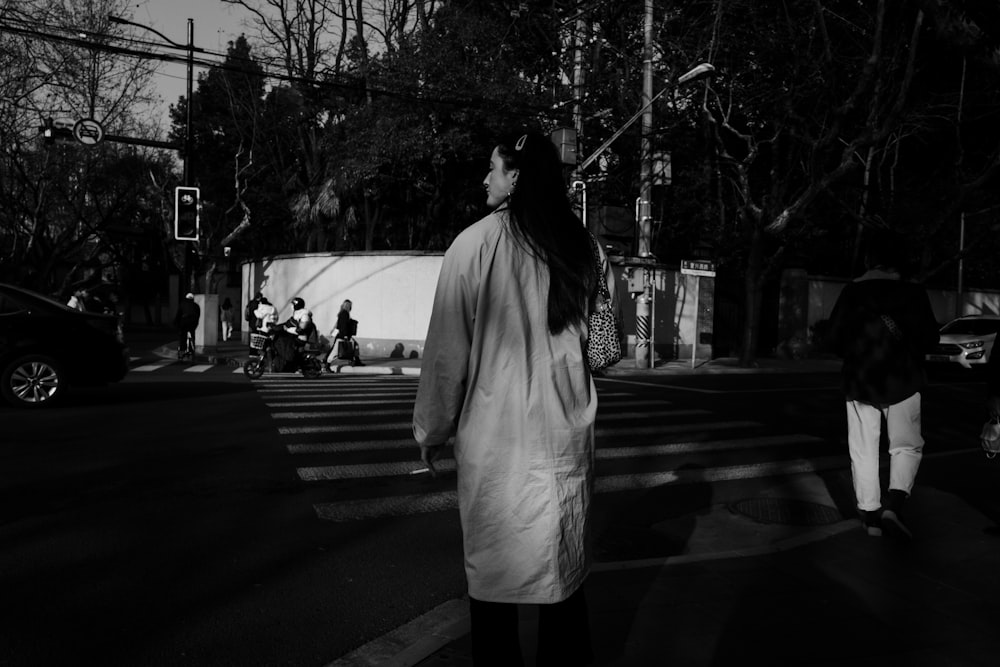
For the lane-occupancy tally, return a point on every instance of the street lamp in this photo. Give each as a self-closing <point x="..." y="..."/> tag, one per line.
<point x="190" y="48"/>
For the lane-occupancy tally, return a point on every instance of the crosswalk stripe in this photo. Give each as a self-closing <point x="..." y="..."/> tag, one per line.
<point x="356" y="510"/>
<point x="622" y="416"/>
<point x="270" y="381"/>
<point x="155" y="366"/>
<point x="385" y="413"/>
<point x="367" y="470"/>
<point x="603" y="453"/>
<point x="387" y="506"/>
<point x="351" y="446"/>
<point x="279" y="399"/>
<point x="608" y="453"/>
<point x="403" y="468"/>
<point x="333" y="402"/>
<point x="342" y="413"/>
<point x="718" y="474"/>
<point x="327" y="390"/>
<point x="600" y="432"/>
<point x="199" y="368"/>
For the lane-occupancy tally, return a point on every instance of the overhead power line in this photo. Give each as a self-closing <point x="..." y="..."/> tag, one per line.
<point x="96" y="42"/>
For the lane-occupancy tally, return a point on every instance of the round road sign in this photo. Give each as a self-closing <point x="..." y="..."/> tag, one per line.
<point x="88" y="131"/>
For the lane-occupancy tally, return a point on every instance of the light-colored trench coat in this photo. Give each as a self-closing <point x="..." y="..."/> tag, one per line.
<point x="524" y="405"/>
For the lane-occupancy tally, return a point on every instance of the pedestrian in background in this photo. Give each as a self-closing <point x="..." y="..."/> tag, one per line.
<point x="882" y="327"/>
<point x="343" y="334"/>
<point x="76" y="301"/>
<point x="504" y="371"/>
<point x="226" y="318"/>
<point x="186" y="321"/>
<point x="250" y="313"/>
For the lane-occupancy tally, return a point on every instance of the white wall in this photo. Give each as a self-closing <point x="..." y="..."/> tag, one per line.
<point x="392" y="293"/>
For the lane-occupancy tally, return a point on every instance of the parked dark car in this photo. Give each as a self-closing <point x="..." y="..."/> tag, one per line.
<point x="47" y="347"/>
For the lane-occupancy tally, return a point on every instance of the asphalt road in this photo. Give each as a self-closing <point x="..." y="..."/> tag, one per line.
<point x="164" y="520"/>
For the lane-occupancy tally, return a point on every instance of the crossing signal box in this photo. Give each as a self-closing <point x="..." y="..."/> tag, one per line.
<point x="186" y="213"/>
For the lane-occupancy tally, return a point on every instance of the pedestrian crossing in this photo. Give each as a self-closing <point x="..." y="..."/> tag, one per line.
<point x="139" y="365"/>
<point x="352" y="436"/>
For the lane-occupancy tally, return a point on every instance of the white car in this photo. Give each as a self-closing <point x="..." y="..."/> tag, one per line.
<point x="967" y="340"/>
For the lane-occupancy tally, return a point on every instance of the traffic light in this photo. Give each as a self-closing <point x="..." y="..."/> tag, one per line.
<point x="56" y="131"/>
<point x="186" y="213"/>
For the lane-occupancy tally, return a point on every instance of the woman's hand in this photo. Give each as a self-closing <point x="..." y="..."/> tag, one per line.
<point x="429" y="454"/>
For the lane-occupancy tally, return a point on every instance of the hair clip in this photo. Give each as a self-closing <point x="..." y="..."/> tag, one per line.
<point x="520" y="142"/>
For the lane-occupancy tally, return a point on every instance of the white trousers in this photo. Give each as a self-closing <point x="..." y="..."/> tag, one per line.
<point x="864" y="425"/>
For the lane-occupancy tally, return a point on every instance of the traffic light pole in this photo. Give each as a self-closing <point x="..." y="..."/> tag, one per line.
<point x="644" y="303"/>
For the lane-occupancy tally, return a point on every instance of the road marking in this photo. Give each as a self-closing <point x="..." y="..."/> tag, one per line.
<point x="599" y="432"/>
<point x="200" y="368"/>
<point x="403" y="468"/>
<point x="648" y="480"/>
<point x="332" y="402"/>
<point x="700" y="390"/>
<point x="351" y="446"/>
<point x="355" y="510"/>
<point x="390" y="506"/>
<point x="342" y="413"/>
<point x="368" y="470"/>
<point x="155" y="366"/>
<point x="603" y="453"/>
<point x="318" y="389"/>
<point x="338" y="396"/>
<point x="608" y="453"/>
<point x="385" y="413"/>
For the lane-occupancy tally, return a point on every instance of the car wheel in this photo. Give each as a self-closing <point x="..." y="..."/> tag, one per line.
<point x="32" y="381"/>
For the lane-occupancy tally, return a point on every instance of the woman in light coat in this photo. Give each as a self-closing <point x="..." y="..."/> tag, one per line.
<point x="505" y="372"/>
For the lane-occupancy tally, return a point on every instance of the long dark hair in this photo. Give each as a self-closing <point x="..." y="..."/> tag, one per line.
<point x="541" y="216"/>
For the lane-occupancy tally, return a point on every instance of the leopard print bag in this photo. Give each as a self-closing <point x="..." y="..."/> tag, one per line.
<point x="604" y="342"/>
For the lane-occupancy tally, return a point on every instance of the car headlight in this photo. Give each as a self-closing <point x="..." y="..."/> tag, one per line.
<point x="973" y="345"/>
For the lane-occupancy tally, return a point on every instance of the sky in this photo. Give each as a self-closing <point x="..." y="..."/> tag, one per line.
<point x="215" y="24"/>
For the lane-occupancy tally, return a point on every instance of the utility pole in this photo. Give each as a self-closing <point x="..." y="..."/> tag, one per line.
<point x="645" y="180"/>
<point x="644" y="224"/>
<point x="187" y="120"/>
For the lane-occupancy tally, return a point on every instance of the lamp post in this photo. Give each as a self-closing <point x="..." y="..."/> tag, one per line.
<point x="190" y="48"/>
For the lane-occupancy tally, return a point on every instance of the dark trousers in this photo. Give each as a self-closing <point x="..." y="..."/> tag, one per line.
<point x="563" y="633"/>
<point x="182" y="338"/>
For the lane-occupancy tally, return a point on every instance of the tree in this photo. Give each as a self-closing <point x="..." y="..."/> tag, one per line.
<point x="227" y="150"/>
<point x="815" y="101"/>
<point x="61" y="213"/>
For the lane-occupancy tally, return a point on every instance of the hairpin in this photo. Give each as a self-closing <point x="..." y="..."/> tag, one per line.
<point x="520" y="142"/>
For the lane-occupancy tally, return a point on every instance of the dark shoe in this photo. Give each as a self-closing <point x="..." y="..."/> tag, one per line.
<point x="871" y="522"/>
<point x="357" y="362"/>
<point x="894" y="527"/>
<point x="895" y="500"/>
<point x="892" y="516"/>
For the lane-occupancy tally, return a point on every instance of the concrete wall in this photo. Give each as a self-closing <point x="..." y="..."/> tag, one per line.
<point x="823" y="293"/>
<point x="392" y="295"/>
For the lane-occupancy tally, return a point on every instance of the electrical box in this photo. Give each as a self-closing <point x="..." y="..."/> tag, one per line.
<point x="635" y="279"/>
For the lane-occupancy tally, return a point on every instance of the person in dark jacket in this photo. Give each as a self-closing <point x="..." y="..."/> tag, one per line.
<point x="882" y="326"/>
<point x="186" y="320"/>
